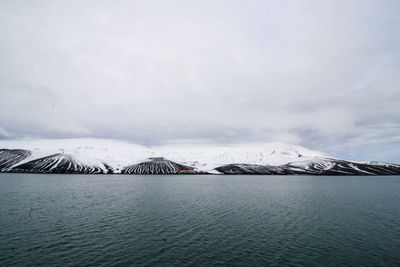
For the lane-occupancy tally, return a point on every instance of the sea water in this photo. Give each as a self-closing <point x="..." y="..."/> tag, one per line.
<point x="198" y="220"/>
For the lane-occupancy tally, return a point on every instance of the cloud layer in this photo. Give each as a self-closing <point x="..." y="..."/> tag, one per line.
<point x="324" y="75"/>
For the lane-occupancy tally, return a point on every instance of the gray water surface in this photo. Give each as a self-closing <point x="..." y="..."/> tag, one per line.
<point x="198" y="220"/>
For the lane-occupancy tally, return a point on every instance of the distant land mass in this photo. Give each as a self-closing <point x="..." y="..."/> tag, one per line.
<point x="102" y="156"/>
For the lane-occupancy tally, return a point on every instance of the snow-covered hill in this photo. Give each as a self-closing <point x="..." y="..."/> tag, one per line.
<point x="330" y="166"/>
<point x="157" y="166"/>
<point x="57" y="163"/>
<point x="111" y="156"/>
<point x="316" y="166"/>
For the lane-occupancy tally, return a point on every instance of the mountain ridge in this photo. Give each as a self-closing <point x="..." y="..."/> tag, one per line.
<point x="110" y="157"/>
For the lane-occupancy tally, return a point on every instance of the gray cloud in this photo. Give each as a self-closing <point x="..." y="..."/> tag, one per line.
<point x="321" y="74"/>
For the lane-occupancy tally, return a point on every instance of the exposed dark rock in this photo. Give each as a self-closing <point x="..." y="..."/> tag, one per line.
<point x="109" y="169"/>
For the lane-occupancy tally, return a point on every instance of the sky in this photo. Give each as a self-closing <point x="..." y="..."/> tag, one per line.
<point x="321" y="74"/>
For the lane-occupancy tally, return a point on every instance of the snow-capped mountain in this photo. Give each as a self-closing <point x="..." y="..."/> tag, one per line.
<point x="110" y="156"/>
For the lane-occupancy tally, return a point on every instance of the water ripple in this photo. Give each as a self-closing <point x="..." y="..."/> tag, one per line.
<point x="198" y="220"/>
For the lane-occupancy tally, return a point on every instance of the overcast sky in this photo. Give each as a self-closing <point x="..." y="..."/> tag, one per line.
<point x="322" y="74"/>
